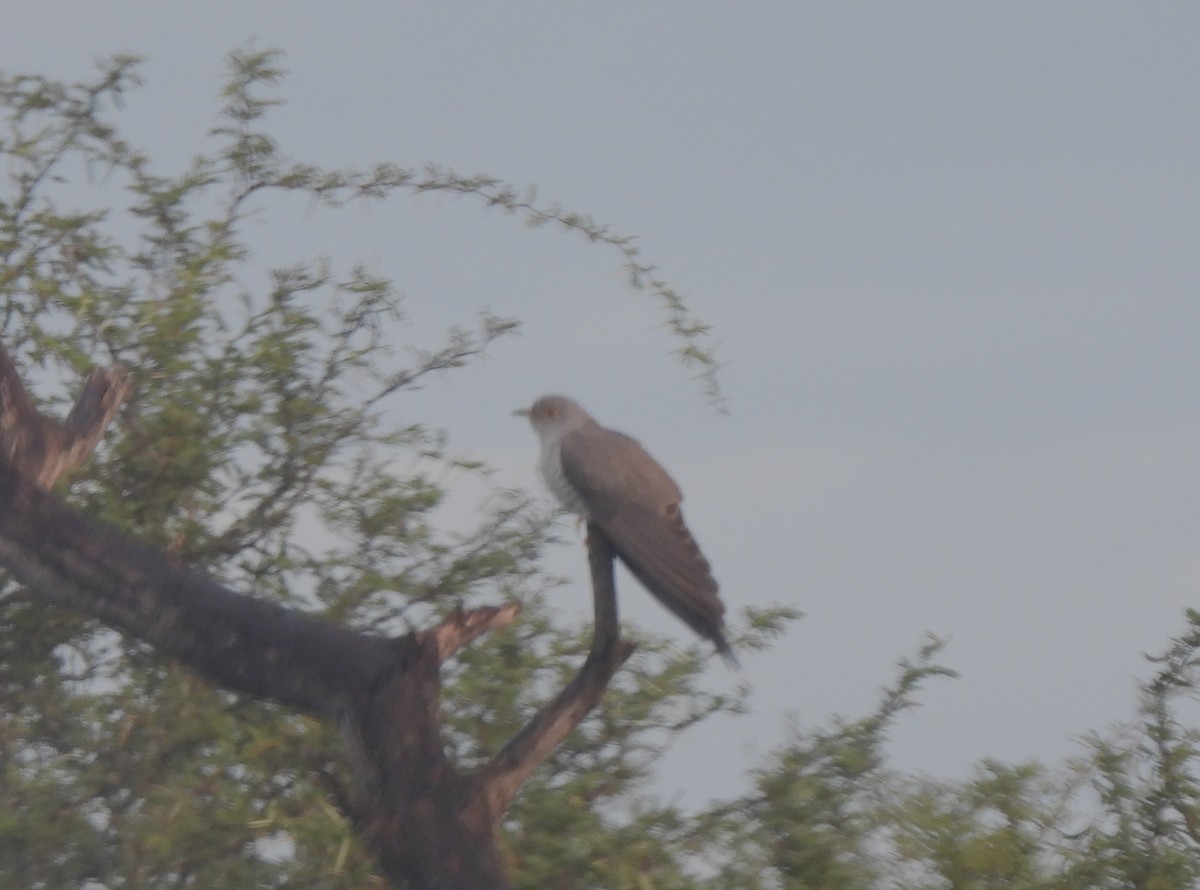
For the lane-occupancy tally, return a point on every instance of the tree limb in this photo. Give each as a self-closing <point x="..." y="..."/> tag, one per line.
<point x="241" y="642"/>
<point x="42" y="448"/>
<point x="461" y="628"/>
<point x="508" y="770"/>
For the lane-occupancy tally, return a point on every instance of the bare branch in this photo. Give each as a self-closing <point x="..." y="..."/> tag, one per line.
<point x="516" y="762"/>
<point x="104" y="391"/>
<point x="42" y="449"/>
<point x="239" y="641"/>
<point x="461" y="628"/>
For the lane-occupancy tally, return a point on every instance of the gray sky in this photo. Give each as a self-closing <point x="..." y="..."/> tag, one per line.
<point x="951" y="253"/>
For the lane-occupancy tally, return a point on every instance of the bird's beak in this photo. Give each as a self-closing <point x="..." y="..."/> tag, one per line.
<point x="521" y="412"/>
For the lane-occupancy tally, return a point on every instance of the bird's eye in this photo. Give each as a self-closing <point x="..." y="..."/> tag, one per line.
<point x="551" y="412"/>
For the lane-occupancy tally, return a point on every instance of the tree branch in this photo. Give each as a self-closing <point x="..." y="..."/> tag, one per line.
<point x="461" y="628"/>
<point x="241" y="642"/>
<point x="504" y="775"/>
<point x="43" y="449"/>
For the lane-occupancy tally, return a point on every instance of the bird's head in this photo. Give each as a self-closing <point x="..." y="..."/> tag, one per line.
<point x="553" y="416"/>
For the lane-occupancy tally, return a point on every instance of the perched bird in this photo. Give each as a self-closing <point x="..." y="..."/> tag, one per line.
<point x="607" y="478"/>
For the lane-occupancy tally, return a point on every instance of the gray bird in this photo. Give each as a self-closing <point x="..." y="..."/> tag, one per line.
<point x="607" y="478"/>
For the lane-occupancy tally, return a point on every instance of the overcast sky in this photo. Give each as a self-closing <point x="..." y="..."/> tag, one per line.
<point x="951" y="253"/>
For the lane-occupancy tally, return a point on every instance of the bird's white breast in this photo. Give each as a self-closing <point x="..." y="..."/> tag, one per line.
<point x="556" y="479"/>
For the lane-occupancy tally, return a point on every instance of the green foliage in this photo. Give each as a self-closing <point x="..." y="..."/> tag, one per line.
<point x="816" y="818"/>
<point x="1124" y="815"/>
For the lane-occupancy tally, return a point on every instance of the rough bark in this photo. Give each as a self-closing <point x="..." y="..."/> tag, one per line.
<point x="43" y="449"/>
<point x="433" y="826"/>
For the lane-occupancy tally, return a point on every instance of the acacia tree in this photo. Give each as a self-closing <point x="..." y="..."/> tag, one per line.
<point x="251" y="414"/>
<point x="254" y="420"/>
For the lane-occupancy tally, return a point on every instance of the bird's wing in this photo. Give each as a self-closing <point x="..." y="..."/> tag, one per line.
<point x="610" y="469"/>
<point x="636" y="503"/>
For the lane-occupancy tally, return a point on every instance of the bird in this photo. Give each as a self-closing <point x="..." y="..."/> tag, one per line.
<point x="607" y="478"/>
